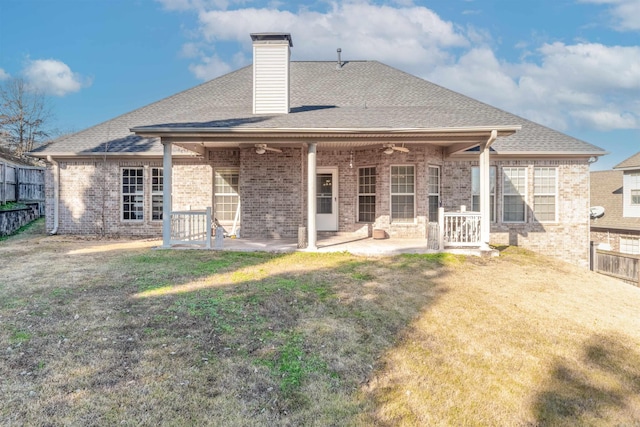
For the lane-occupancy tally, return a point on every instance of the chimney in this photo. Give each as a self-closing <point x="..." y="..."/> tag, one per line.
<point x="271" y="52"/>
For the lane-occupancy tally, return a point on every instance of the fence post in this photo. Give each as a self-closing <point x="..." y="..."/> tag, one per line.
<point x="4" y="183"/>
<point x="208" y="227"/>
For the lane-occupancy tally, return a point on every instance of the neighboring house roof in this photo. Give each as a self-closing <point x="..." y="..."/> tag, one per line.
<point x="359" y="95"/>
<point x="632" y="162"/>
<point x="606" y="191"/>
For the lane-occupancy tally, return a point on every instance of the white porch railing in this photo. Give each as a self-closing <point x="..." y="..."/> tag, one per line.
<point x="191" y="228"/>
<point x="460" y="228"/>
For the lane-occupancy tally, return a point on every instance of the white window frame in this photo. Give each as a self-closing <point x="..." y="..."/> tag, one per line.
<point x="131" y="194"/>
<point x="634" y="193"/>
<point x="217" y="173"/>
<point x="369" y="194"/>
<point x="157" y="191"/>
<point x="431" y="193"/>
<point x="537" y="193"/>
<point x="493" y="176"/>
<point x="391" y="194"/>
<point x="630" y="245"/>
<point x="522" y="195"/>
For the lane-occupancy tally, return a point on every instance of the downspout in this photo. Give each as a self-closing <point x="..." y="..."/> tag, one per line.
<point x="56" y="194"/>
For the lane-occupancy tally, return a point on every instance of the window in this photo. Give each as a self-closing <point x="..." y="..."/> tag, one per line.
<point x="630" y="246"/>
<point x="475" y="190"/>
<point x="226" y="198"/>
<point x="544" y="194"/>
<point x="367" y="194"/>
<point x="132" y="194"/>
<point x="434" y="192"/>
<point x="635" y="197"/>
<point x="515" y="185"/>
<point x="402" y="193"/>
<point x="157" y="183"/>
<point x="324" y="193"/>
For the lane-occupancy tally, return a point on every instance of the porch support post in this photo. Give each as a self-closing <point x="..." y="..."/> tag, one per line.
<point x="311" y="197"/>
<point x="166" y="194"/>
<point x="485" y="191"/>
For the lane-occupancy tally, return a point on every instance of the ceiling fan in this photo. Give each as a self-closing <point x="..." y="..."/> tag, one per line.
<point x="262" y="148"/>
<point x="390" y="148"/>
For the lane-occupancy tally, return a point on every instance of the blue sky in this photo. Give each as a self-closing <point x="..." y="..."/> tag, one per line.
<point x="573" y="65"/>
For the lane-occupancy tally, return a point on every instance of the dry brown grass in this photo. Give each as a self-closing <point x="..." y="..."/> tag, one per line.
<point x="110" y="332"/>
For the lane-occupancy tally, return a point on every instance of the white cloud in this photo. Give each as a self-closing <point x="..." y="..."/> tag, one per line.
<point x="210" y="67"/>
<point x="53" y="77"/>
<point x="3" y="74"/>
<point x="625" y="13"/>
<point x="411" y="37"/>
<point x="590" y="86"/>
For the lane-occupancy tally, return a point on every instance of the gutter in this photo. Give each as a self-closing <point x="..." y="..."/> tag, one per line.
<point x="159" y="130"/>
<point x="56" y="195"/>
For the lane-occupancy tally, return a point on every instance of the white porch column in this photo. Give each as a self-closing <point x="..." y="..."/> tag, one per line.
<point x="166" y="194"/>
<point x="311" y="197"/>
<point x="485" y="190"/>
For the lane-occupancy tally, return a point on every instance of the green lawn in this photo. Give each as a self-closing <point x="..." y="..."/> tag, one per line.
<point x="103" y="333"/>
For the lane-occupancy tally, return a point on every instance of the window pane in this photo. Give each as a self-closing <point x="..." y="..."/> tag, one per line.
<point x="366" y="194"/>
<point x="544" y="188"/>
<point x="402" y="208"/>
<point x="402" y="197"/>
<point x="514" y="194"/>
<point x="227" y="197"/>
<point x="133" y="194"/>
<point x="513" y="209"/>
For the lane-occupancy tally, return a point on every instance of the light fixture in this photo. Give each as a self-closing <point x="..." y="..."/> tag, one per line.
<point x="388" y="150"/>
<point x="260" y="150"/>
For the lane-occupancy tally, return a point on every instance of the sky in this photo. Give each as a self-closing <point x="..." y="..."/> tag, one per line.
<point x="572" y="65"/>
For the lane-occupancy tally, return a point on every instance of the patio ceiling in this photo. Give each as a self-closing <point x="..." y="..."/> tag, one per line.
<point x="453" y="139"/>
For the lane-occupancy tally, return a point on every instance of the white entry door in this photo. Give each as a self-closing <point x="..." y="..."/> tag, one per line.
<point x="327" y="199"/>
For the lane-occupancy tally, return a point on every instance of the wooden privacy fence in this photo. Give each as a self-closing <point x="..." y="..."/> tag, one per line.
<point x="618" y="265"/>
<point x="21" y="183"/>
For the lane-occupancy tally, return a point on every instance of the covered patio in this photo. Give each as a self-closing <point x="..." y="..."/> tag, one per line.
<point x="455" y="229"/>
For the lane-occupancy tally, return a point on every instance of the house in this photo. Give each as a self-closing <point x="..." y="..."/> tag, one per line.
<point x="287" y="149"/>
<point x="618" y="192"/>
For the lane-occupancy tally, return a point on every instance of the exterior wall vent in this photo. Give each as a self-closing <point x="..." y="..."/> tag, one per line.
<point x="271" y="54"/>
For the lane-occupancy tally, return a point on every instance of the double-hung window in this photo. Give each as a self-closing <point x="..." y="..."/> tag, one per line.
<point x="227" y="195"/>
<point x="132" y="194"/>
<point x="434" y="192"/>
<point x="635" y="197"/>
<point x="367" y="194"/>
<point x="475" y="190"/>
<point x="514" y="194"/>
<point x="630" y="245"/>
<point x="402" y="193"/>
<point x="544" y="194"/>
<point x="157" y="184"/>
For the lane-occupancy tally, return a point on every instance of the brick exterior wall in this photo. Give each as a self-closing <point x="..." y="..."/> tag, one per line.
<point x="273" y="195"/>
<point x="612" y="237"/>
<point x="567" y="238"/>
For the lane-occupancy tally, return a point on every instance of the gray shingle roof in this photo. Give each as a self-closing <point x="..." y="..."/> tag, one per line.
<point x="630" y="163"/>
<point x="606" y="191"/>
<point x="362" y="94"/>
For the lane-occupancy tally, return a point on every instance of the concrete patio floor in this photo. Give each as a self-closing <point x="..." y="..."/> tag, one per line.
<point x="355" y="245"/>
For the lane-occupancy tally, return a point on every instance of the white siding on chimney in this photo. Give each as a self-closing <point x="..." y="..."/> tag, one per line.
<point x="271" y="78"/>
